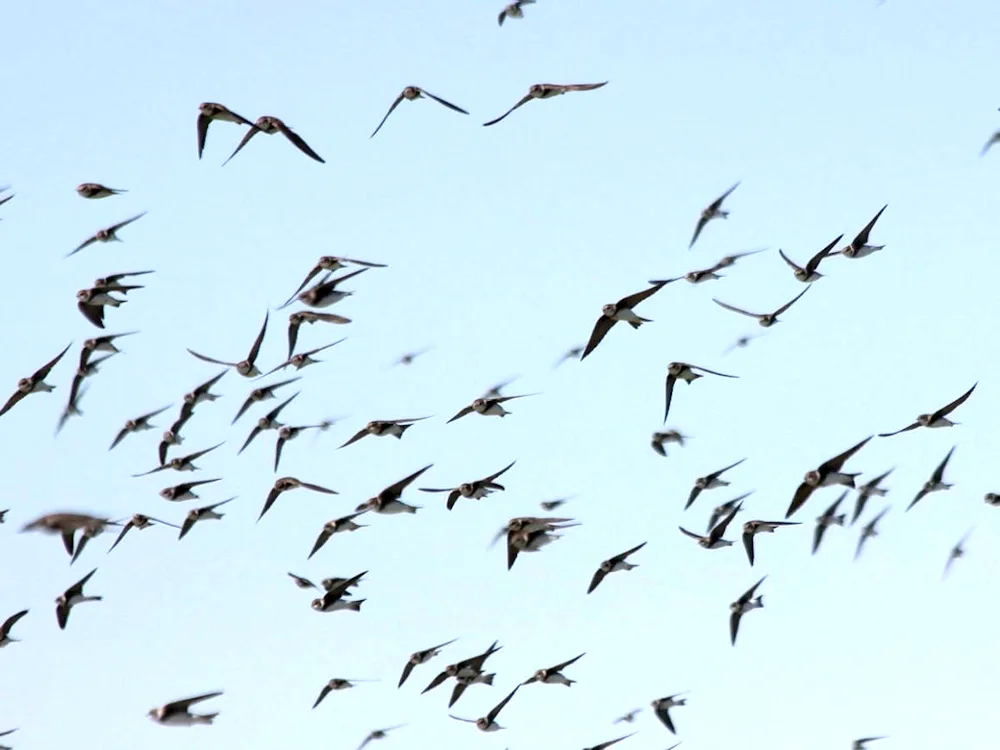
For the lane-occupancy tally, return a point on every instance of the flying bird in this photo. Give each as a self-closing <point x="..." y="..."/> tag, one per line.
<point x="825" y="475"/>
<point x="746" y="603"/>
<point x="937" y="418"/>
<point x="936" y="483"/>
<point x="71" y="597"/>
<point x="91" y="303"/>
<point x="710" y="482"/>
<point x="724" y="509"/>
<point x="176" y="714"/>
<point x="488" y="723"/>
<point x="205" y="513"/>
<point x="295" y="321"/>
<point x="303" y="359"/>
<point x="271" y="125"/>
<point x="382" y="427"/>
<point x="378" y="734"/>
<point x="609" y="743"/>
<point x="868" y="490"/>
<point x="628" y="718"/>
<point x="764" y="320"/>
<point x="34" y="383"/>
<point x="247" y="367"/>
<point x="868" y="531"/>
<point x="289" y="432"/>
<point x="683" y="371"/>
<point x="553" y="675"/>
<point x="714" y="538"/>
<point x="808" y="273"/>
<point x="467" y="667"/>
<point x="475" y="490"/>
<point x="859" y="247"/>
<point x="862" y="743"/>
<point x="264" y="393"/>
<point x="388" y="500"/>
<point x="514" y="10"/>
<point x="613" y="564"/>
<point x="139" y="521"/>
<point x="412" y="93"/>
<point x="136" y="424"/>
<point x="335" y="598"/>
<point x="290" y="483"/>
<point x="209" y="111"/>
<point x="302" y="582"/>
<point x="338" y="683"/>
<point x="267" y="422"/>
<point x="95" y="190"/>
<point x="5" y="637"/>
<point x="336" y="526"/>
<point x="325" y="292"/>
<point x="712" y="211"/>
<point x="101" y="344"/>
<point x="181" y="463"/>
<point x="828" y="519"/>
<point x="621" y="311"/>
<point x="660" y="440"/>
<point x="547" y="91"/>
<point x="421" y="657"/>
<point x="956" y="552"/>
<point x="108" y="234"/>
<point x="408" y="357"/>
<point x="752" y="528"/>
<point x="530" y="534"/>
<point x="994" y="139"/>
<point x="488" y="407"/>
<point x="573" y="352"/>
<point x="661" y="707"/>
<point x="330" y="263"/>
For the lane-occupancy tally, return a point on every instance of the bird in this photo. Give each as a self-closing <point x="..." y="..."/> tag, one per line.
<point x="514" y="10"/>
<point x="868" y="531"/>
<point x="764" y="320"/>
<point x="378" y="734"/>
<point x="290" y="483"/>
<point x="176" y="713"/>
<point x="290" y="432"/>
<point x="210" y="111"/>
<point x="621" y="311"/>
<point x="752" y="528"/>
<point x="937" y="418"/>
<point x="303" y="359"/>
<point x="686" y="372"/>
<point x="71" y="597"/>
<point x="628" y="718"/>
<point x="388" y="500"/>
<point x="8" y="731"/>
<point x="65" y="525"/>
<point x="710" y="274"/>
<point x="868" y="490"/>
<point x="204" y="513"/>
<point x="421" y="657"/>
<point x="92" y="303"/>
<point x="302" y="582"/>
<point x="247" y="367"/>
<point x="267" y="422"/>
<point x="660" y="440"/>
<point x="956" y="552"/>
<point x="828" y="519"/>
<point x="616" y="740"/>
<point x="573" y="352"/>
<point x="808" y="273"/>
<point x="488" y="407"/>
<point x="936" y="483"/>
<point x="95" y="190"/>
<point x="995" y="138"/>
<point x="407" y="358"/>
<point x="338" y="683"/>
<point x="336" y="526"/>
<point x="710" y="481"/>
<point x="108" y="234"/>
<point x="325" y="292"/>
<point x="859" y="247"/>
<point x="488" y="723"/>
<point x="546" y="91"/>
<point x="530" y="534"/>
<point x="613" y="564"/>
<point x="136" y="424"/>
<point x="712" y="211"/>
<point x="714" y="538"/>
<point x="334" y="600"/>
<point x="101" y="343"/>
<point x="467" y="667"/>
<point x="5" y="637"/>
<point x="331" y="263"/>
<point x="270" y="125"/>
<point x="296" y="319"/>
<point x="826" y="474"/>
<point x="182" y="463"/>
<point x="412" y="93"/>
<point x="35" y="383"/>
<point x="475" y="490"/>
<point x="722" y="510"/>
<point x="264" y="393"/>
<point x="862" y="743"/>
<point x="746" y="603"/>
<point x="139" y="521"/>
<point x="661" y="707"/>
<point x="382" y="427"/>
<point x="553" y="675"/>
<point x="741" y="342"/>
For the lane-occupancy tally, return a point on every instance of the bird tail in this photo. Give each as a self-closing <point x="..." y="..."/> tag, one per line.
<point x="488" y="679"/>
<point x="639" y="322"/>
<point x="402" y="429"/>
<point x="206" y="718"/>
<point x="355" y="606"/>
<point x="852" y="477"/>
<point x="839" y="520"/>
<point x="760" y="600"/>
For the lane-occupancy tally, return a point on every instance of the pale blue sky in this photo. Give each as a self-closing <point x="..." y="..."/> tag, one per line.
<point x="502" y="245"/>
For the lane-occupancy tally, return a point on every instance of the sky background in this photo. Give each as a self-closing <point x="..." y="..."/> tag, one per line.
<point x="502" y="244"/>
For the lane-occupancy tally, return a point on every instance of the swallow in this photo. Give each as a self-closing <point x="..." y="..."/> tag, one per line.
<point x="467" y="667"/>
<point x="100" y="343"/>
<point x="412" y="93"/>
<point x="72" y="408"/>
<point x="91" y="304"/>
<point x="331" y="263"/>
<point x="35" y="383"/>
<point x="661" y="439"/>
<point x="554" y="675"/>
<point x="866" y="491"/>
<point x="868" y="531"/>
<point x="859" y="247"/>
<point x="325" y="293"/>
<point x="808" y="273"/>
<point x="333" y="600"/>
<point x="83" y="372"/>
<point x="379" y="734"/>
<point x="65" y="525"/>
<point x="246" y="368"/>
<point x="829" y="518"/>
<point x="573" y="352"/>
<point x="71" y="597"/>
<point x="271" y="125"/>
<point x="181" y="492"/>
<point x="488" y="723"/>
<point x="382" y="427"/>
<point x="936" y="483"/>
<point x="995" y="138"/>
<point x="263" y="393"/>
<point x="3" y="514"/>
<point x="182" y="463"/>
<point x="992" y="499"/>
<point x="114" y="282"/>
<point x="514" y="10"/>
<point x="730" y="260"/>
<point x="825" y="475"/>
<point x="613" y="564"/>
<point x="209" y="111"/>
<point x="171" y="437"/>
<point x="702" y="275"/>
<point x="199" y="395"/>
<point x="304" y="359"/>
<point x="5" y="628"/>
<point x="268" y="422"/>
<point x="752" y="528"/>
<point x="621" y="311"/>
<point x="740" y="343"/>
<point x="9" y="731"/>
<point x="628" y="718"/>
<point x="408" y="357"/>
<point x="546" y="91"/>
<point x="721" y="511"/>
<point x="204" y="513"/>
<point x="296" y="319"/>
<point x="530" y="534"/>
<point x="764" y="320"/>
<point x="287" y="432"/>
<point x="139" y="521"/>
<point x="488" y="407"/>
<point x="476" y="490"/>
<point x="714" y="538"/>
<point x="329" y="584"/>
<point x="937" y="418"/>
<point x="4" y="200"/>
<point x="137" y="424"/>
<point x="95" y="190"/>
<point x="710" y="482"/>
<point x="548" y="505"/>
<point x="302" y="583"/>
<point x="108" y="234"/>
<point x="176" y="714"/>
<point x="337" y="683"/>
<point x="92" y="529"/>
<point x="712" y="211"/>
<point x="609" y="743"/>
<point x="336" y="526"/>
<point x="388" y="500"/>
<point x="861" y="744"/>
<point x="661" y="707"/>
<point x="421" y="657"/>
<point x="496" y="390"/>
<point x="746" y="603"/>
<point x="290" y="483"/>
<point x="683" y="371"/>
<point x="956" y="552"/>
<point x="463" y="681"/>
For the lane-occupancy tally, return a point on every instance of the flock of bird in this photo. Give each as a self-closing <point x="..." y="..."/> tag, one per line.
<point x="320" y="289"/>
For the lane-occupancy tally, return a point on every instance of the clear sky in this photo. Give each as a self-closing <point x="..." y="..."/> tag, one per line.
<point x="502" y="244"/>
